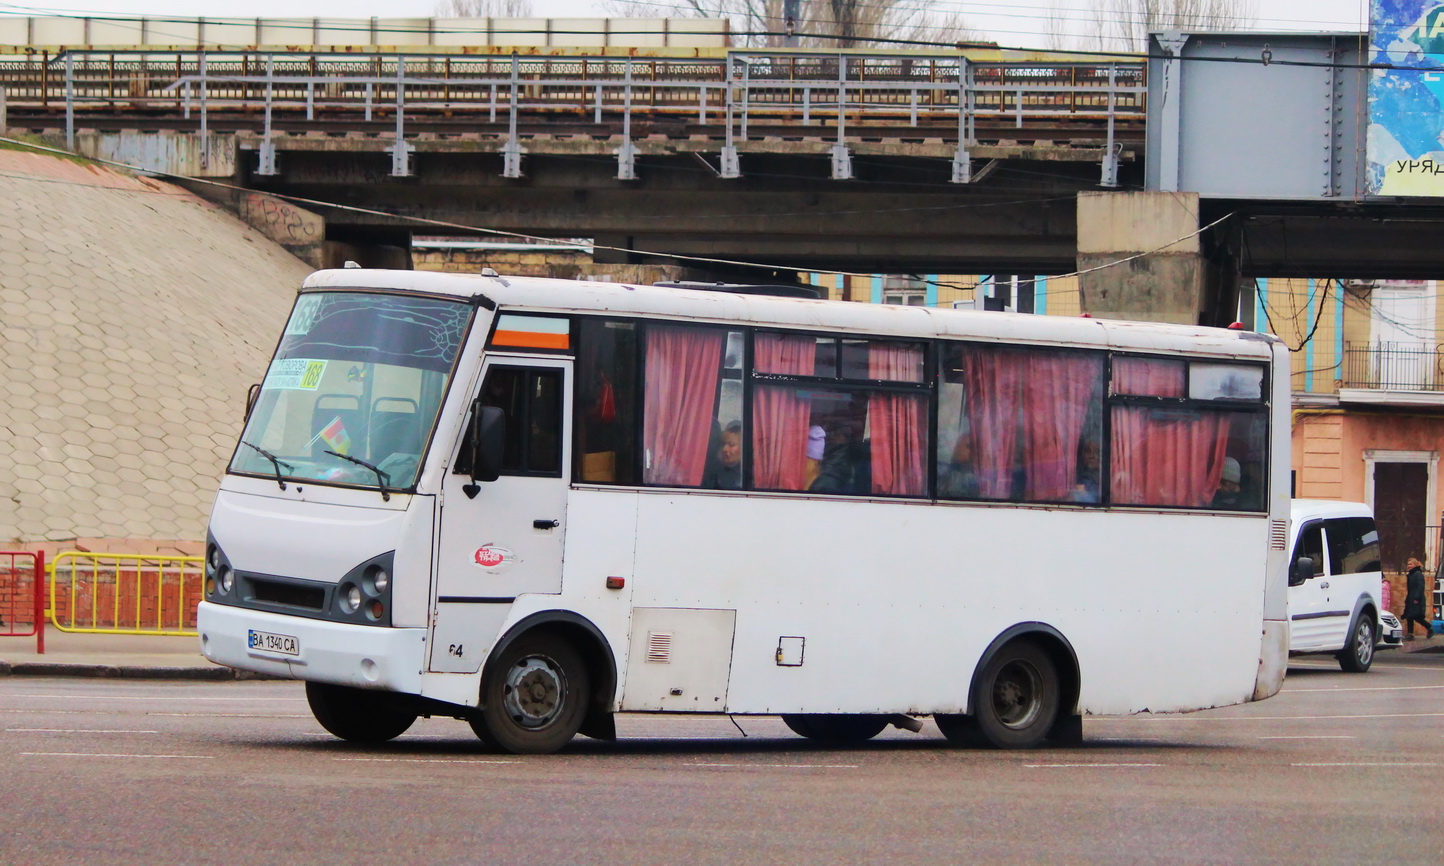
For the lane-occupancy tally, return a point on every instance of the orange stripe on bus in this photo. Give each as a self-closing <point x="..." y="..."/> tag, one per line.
<point x="531" y="340"/>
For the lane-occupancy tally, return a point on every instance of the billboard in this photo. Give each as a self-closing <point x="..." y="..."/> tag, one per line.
<point x="1406" y="98"/>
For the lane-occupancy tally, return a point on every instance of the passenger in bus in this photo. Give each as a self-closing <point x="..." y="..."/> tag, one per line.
<point x="839" y="470"/>
<point x="1090" y="470"/>
<point x="1229" y="493"/>
<point x="724" y="470"/>
<point x="959" y="478"/>
<point x="816" y="445"/>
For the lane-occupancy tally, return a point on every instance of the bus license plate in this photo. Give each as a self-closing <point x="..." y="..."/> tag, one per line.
<point x="274" y="643"/>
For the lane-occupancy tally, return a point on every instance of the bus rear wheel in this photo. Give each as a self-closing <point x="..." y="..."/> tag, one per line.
<point x="359" y="715"/>
<point x="535" y="697"/>
<point x="1017" y="698"/>
<point x="837" y="728"/>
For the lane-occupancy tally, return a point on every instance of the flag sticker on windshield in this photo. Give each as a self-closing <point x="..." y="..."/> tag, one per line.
<point x="294" y="374"/>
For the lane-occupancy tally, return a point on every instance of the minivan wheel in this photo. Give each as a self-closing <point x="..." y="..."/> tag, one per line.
<point x="1358" y="652"/>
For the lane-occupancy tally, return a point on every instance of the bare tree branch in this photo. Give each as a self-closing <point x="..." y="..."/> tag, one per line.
<point x="483" y="9"/>
<point x="1124" y="25"/>
<point x="820" y="24"/>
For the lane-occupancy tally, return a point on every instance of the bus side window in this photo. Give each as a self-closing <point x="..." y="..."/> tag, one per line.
<point x="686" y="441"/>
<point x="1174" y="446"/>
<point x="605" y="443"/>
<point x="1019" y="424"/>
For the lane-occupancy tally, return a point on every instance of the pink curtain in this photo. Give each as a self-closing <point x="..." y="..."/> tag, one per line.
<point x="993" y="380"/>
<point x="780" y="417"/>
<point x="1167" y="456"/>
<point x="681" y="390"/>
<point x="1058" y="390"/>
<point x="1148" y="377"/>
<point x="896" y="422"/>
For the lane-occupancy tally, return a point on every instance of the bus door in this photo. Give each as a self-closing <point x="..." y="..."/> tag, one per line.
<point x="500" y="539"/>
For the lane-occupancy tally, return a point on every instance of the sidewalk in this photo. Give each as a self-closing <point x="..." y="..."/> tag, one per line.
<point x="112" y="655"/>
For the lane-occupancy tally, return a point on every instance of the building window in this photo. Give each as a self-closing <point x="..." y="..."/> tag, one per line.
<point x="904" y="290"/>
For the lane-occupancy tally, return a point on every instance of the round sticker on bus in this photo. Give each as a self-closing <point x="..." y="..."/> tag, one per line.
<point x="490" y="556"/>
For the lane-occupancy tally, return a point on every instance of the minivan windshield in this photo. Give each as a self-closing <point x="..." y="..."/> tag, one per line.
<point x="353" y="393"/>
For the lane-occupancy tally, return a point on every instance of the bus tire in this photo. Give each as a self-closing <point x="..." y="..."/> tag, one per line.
<point x="535" y="696"/>
<point x="836" y="728"/>
<point x="1358" y="652"/>
<point x="359" y="715"/>
<point x="1017" y="697"/>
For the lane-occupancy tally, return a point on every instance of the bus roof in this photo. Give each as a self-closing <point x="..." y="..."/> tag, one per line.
<point x="577" y="296"/>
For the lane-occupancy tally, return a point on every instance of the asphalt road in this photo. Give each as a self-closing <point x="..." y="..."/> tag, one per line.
<point x="1336" y="768"/>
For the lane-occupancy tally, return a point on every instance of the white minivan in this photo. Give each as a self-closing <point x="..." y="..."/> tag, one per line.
<point x="1335" y="583"/>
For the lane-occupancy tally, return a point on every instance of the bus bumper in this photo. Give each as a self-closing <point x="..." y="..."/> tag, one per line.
<point x="1273" y="660"/>
<point x="319" y="651"/>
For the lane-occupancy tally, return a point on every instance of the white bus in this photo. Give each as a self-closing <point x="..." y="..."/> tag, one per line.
<point x="531" y="504"/>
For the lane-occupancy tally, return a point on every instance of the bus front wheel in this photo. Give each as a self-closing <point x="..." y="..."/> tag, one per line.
<point x="535" y="697"/>
<point x="1016" y="703"/>
<point x="837" y="728"/>
<point x="359" y="715"/>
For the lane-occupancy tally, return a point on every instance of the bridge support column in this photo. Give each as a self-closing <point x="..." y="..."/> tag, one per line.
<point x="1143" y="258"/>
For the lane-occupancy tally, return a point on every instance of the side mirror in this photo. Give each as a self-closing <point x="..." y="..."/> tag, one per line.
<point x="488" y="442"/>
<point x="253" y="394"/>
<point x="1302" y="571"/>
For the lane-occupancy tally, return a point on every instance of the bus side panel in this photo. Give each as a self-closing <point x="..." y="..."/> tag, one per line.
<point x="896" y="602"/>
<point x="600" y="543"/>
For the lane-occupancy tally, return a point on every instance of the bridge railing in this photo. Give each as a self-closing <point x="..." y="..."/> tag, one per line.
<point x="766" y="85"/>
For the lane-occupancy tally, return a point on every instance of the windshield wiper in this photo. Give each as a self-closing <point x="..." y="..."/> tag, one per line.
<point x="275" y="461"/>
<point x="381" y="477"/>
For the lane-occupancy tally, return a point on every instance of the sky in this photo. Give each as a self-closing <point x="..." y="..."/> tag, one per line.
<point x="1017" y="23"/>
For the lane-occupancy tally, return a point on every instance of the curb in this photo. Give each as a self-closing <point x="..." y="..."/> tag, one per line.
<point x="60" y="669"/>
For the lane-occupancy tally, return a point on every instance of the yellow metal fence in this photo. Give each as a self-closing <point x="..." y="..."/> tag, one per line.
<point x="125" y="593"/>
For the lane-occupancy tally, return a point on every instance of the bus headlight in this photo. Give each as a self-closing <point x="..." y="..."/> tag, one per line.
<point x="379" y="581"/>
<point x="350" y="598"/>
<point x="227" y="578"/>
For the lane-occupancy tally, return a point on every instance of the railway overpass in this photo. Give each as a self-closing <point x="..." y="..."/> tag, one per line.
<point x="1219" y="156"/>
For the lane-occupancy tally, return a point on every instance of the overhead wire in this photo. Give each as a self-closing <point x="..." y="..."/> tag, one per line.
<point x="463" y="227"/>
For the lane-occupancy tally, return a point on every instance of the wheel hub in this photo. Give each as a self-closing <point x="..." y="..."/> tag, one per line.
<point x="1017" y="694"/>
<point x="1364" y="644"/>
<point x="535" y="692"/>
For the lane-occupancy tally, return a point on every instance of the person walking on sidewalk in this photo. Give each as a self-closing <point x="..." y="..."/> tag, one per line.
<point x="1414" y="600"/>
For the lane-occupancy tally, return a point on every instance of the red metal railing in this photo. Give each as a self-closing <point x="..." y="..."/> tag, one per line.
<point x="22" y="595"/>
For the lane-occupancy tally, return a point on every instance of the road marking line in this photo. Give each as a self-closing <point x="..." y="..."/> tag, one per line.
<point x="407" y="736"/>
<point x="186" y="697"/>
<point x="1182" y="717"/>
<point x="422" y="761"/>
<point x="104" y="755"/>
<point x="1086" y="766"/>
<point x="784" y="766"/>
<point x="1320" y="737"/>
<point x="225" y="715"/>
<point x="1121" y="739"/>
<point x="72" y="731"/>
<point x="1370" y="764"/>
<point x="1365" y="689"/>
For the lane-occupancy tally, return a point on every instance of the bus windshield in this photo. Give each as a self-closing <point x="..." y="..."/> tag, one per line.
<point x="354" y="390"/>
